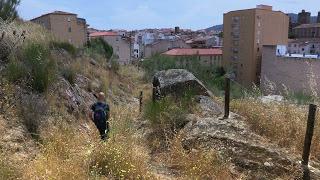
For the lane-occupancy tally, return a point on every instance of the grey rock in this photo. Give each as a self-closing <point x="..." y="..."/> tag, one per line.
<point x="179" y="82"/>
<point x="208" y="106"/>
<point x="248" y="152"/>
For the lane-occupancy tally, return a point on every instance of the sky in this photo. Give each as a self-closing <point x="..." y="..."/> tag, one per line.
<point x="140" y="14"/>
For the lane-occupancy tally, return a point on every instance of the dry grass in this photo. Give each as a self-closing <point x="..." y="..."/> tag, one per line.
<point x="7" y="170"/>
<point x="284" y="124"/>
<point x="70" y="151"/>
<point x="197" y="164"/>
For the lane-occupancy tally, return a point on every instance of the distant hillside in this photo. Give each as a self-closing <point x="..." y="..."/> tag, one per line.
<point x="216" y="28"/>
<point x="294" y="18"/>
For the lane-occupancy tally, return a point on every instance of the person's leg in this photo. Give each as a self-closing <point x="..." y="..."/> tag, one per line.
<point x="103" y="134"/>
<point x="102" y="130"/>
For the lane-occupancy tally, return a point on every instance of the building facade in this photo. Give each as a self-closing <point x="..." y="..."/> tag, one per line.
<point x="307" y="31"/>
<point x="162" y="46"/>
<point x="206" y="57"/>
<point x="304" y="17"/>
<point x="245" y="32"/>
<point x="121" y="45"/>
<point x="65" y="26"/>
<point x="284" y="73"/>
<point x="304" y="46"/>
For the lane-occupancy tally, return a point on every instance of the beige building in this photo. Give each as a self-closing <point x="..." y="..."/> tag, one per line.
<point x="207" y="57"/>
<point x="121" y="45"/>
<point x="65" y="26"/>
<point x="245" y="32"/>
<point x="307" y="31"/>
<point x="162" y="46"/>
<point x="289" y="73"/>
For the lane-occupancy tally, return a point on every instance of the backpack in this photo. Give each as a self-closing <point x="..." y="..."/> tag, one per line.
<point x="100" y="114"/>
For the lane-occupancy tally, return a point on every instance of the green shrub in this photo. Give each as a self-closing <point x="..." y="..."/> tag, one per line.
<point x="71" y="49"/>
<point x="100" y="46"/>
<point x="33" y="110"/>
<point x="40" y="66"/>
<point x="8" y="9"/>
<point x="16" y="70"/>
<point x="166" y="118"/>
<point x="69" y="74"/>
<point x="115" y="66"/>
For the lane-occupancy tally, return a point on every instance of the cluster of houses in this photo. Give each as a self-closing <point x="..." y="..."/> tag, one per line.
<point x="130" y="46"/>
<point x="255" y="48"/>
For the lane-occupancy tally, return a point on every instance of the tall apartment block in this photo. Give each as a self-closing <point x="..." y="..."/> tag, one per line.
<point x="245" y="33"/>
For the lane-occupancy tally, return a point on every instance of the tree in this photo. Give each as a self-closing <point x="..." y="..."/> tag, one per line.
<point x="8" y="9"/>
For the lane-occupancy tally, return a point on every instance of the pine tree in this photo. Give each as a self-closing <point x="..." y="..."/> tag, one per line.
<point x="8" y="9"/>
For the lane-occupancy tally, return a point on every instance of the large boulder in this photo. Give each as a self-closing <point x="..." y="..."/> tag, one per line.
<point x="178" y="82"/>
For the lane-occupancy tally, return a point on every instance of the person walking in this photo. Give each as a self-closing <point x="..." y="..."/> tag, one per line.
<point x="100" y="115"/>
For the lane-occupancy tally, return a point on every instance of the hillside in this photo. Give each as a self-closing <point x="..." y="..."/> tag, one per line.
<point x="47" y="88"/>
<point x="215" y="28"/>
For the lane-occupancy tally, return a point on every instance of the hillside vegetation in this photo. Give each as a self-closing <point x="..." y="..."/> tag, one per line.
<point x="47" y="87"/>
<point x="46" y="90"/>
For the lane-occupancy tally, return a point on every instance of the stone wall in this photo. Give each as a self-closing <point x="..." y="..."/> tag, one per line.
<point x="283" y="74"/>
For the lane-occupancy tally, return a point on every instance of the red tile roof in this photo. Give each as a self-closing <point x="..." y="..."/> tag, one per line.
<point x="191" y="52"/>
<point x="105" y="33"/>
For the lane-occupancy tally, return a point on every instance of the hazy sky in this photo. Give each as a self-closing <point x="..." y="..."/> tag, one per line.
<point x="139" y="14"/>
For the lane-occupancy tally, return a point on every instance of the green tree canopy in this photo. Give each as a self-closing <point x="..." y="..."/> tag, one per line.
<point x="8" y="9"/>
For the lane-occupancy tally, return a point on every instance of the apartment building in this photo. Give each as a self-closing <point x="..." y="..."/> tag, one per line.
<point x="208" y="57"/>
<point x="121" y="44"/>
<point x="245" y="32"/>
<point x="65" y="26"/>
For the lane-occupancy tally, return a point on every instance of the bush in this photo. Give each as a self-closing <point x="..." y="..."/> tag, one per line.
<point x="100" y="46"/>
<point x="166" y="118"/>
<point x="69" y="74"/>
<point x="40" y="66"/>
<point x="115" y="66"/>
<point x="71" y="49"/>
<point x="33" y="109"/>
<point x="16" y="70"/>
<point x="8" y="9"/>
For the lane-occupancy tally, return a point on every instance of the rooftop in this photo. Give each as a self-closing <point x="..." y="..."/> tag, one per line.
<point x="105" y="33"/>
<point x="314" y="25"/>
<point x="304" y="40"/>
<point x="56" y="13"/>
<point x="192" y="52"/>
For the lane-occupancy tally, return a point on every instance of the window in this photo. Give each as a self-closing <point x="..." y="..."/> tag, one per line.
<point x="117" y="38"/>
<point x="302" y="49"/>
<point x="68" y="19"/>
<point x="236" y="43"/>
<point x="69" y="29"/>
<point x="118" y="49"/>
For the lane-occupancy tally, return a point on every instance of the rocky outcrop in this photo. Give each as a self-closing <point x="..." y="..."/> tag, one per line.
<point x="249" y="153"/>
<point x="178" y="82"/>
<point x="75" y="97"/>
